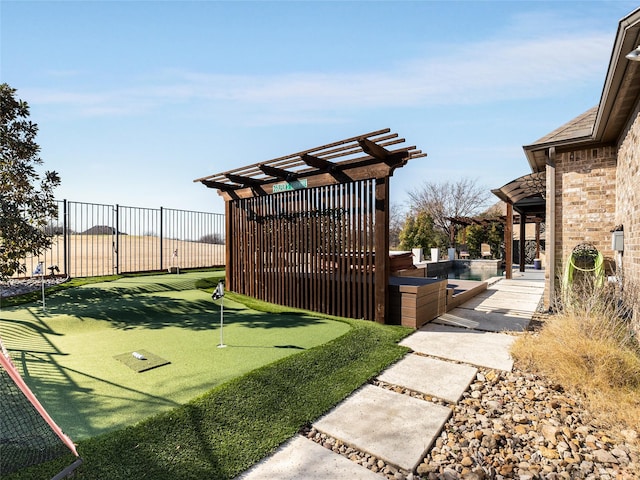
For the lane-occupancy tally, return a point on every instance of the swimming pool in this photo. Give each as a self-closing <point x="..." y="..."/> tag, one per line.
<point x="477" y="275"/>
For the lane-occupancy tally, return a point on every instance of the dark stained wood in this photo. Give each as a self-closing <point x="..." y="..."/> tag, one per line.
<point x="229" y="253"/>
<point x="320" y="160"/>
<point x="370" y="252"/>
<point x="522" y="242"/>
<point x="383" y="155"/>
<point x="319" y="163"/>
<point x="538" y="239"/>
<point x="381" y="249"/>
<point x="280" y="173"/>
<point x="508" y="242"/>
<point x="319" y="241"/>
<point x="226" y="187"/>
<point x="340" y="176"/>
<point x="373" y="149"/>
<point x="318" y="262"/>
<point x="247" y="181"/>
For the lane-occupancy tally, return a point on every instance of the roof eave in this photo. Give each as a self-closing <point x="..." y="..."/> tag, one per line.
<point x="603" y="130"/>
<point x="625" y="42"/>
<point x="530" y="150"/>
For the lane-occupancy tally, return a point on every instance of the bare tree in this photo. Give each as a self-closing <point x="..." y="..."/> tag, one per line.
<point x="443" y="201"/>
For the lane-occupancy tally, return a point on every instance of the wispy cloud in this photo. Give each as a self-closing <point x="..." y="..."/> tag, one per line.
<point x="475" y="73"/>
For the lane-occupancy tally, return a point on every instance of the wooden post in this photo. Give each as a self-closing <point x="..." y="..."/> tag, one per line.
<point x="228" y="220"/>
<point x="538" y="239"/>
<point x="523" y="224"/>
<point x="508" y="241"/>
<point x="381" y="249"/>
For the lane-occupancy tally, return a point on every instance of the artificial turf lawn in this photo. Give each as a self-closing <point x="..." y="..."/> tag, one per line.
<point x="223" y="432"/>
<point x="66" y="353"/>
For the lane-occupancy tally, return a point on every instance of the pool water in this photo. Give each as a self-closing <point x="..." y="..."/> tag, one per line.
<point x="468" y="275"/>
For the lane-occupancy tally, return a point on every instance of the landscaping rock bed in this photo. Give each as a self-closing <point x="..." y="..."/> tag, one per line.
<point x="13" y="287"/>
<point x="513" y="425"/>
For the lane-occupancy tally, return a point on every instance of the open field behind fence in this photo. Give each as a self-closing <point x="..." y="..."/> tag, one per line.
<point x="94" y="255"/>
<point x="93" y="239"/>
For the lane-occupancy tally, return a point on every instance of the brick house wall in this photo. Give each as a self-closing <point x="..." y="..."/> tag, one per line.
<point x="592" y="168"/>
<point x="585" y="209"/>
<point x="628" y="202"/>
<point x="595" y="190"/>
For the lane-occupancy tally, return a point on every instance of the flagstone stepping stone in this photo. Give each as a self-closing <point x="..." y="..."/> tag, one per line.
<point x="396" y="428"/>
<point x="444" y="380"/>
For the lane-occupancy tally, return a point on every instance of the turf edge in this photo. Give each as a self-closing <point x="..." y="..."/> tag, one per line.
<point x="225" y="431"/>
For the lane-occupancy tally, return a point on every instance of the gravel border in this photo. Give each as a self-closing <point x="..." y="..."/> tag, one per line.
<point x="511" y="425"/>
<point x="20" y="286"/>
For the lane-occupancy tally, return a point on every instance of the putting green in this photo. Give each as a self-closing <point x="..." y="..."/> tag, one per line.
<point x="66" y="352"/>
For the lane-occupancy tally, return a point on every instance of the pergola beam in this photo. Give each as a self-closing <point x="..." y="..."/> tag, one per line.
<point x="319" y="163"/>
<point x="373" y="149"/>
<point x="227" y="187"/>
<point x="382" y="154"/>
<point x="278" y="172"/>
<point x="365" y="156"/>
<point x="246" y="181"/>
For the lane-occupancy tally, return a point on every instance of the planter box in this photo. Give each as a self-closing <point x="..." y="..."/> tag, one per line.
<point x="415" y="301"/>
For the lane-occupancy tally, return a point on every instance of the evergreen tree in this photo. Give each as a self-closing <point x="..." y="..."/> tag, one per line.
<point x="421" y="232"/>
<point x="27" y="204"/>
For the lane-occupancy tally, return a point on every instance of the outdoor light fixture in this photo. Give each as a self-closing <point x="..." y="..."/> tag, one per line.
<point x="634" y="55"/>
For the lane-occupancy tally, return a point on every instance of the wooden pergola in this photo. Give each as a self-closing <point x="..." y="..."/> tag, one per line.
<point x="502" y="219"/>
<point x="460" y="221"/>
<point x="311" y="229"/>
<point x="526" y="195"/>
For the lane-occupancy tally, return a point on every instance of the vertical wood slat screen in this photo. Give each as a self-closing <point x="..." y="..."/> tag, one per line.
<point x="310" y="248"/>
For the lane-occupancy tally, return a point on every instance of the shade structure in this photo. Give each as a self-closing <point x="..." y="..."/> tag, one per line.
<point x="526" y="195"/>
<point x="310" y="229"/>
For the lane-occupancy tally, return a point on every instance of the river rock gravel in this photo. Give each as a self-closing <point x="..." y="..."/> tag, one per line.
<point x="12" y="287"/>
<point x="512" y="425"/>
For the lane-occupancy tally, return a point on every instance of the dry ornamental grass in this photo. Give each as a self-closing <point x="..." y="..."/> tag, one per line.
<point x="589" y="347"/>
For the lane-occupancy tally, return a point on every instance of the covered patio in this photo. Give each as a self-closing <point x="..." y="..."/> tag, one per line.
<point x="526" y="196"/>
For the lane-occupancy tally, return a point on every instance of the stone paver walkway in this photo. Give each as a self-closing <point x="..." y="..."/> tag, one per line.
<point x="475" y="347"/>
<point x="505" y="306"/>
<point x="437" y="378"/>
<point x="397" y="428"/>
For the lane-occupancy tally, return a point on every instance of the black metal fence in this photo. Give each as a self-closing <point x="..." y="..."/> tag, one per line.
<point x="94" y="239"/>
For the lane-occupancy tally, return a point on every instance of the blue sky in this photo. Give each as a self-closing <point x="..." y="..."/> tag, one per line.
<point x="136" y="99"/>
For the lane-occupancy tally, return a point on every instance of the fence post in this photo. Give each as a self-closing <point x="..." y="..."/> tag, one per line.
<point x="65" y="244"/>
<point x="161" y="237"/>
<point x="117" y="241"/>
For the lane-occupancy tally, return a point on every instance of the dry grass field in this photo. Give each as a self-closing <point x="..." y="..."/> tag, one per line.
<point x="95" y="255"/>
